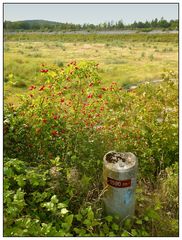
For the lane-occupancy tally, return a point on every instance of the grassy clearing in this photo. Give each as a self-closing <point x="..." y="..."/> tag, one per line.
<point x="105" y="38"/>
<point x="122" y="58"/>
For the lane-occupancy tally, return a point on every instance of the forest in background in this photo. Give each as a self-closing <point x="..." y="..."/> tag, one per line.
<point x="51" y="26"/>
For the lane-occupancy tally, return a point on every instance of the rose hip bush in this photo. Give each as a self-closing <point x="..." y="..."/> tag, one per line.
<point x="146" y="122"/>
<point x="54" y="142"/>
<point x="62" y="115"/>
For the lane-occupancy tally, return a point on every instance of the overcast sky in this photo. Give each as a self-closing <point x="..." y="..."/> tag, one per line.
<point x="90" y="13"/>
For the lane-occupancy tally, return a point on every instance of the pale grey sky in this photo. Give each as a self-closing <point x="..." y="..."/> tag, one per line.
<point x="90" y="13"/>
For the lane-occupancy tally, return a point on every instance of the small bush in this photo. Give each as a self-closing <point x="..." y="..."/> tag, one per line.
<point x="19" y="60"/>
<point x="29" y="47"/>
<point x="59" y="63"/>
<point x="142" y="54"/>
<point x="169" y="190"/>
<point x="167" y="49"/>
<point x="19" y="84"/>
<point x="35" y="55"/>
<point x="20" y="51"/>
<point x="151" y="57"/>
<point x="60" y="45"/>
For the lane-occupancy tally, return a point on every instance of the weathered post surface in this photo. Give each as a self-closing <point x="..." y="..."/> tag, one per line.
<point x="119" y="179"/>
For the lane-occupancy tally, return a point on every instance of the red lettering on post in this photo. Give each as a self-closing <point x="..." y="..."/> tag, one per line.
<point x="119" y="183"/>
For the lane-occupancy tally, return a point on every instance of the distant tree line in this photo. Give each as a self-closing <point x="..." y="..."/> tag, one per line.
<point x="49" y="26"/>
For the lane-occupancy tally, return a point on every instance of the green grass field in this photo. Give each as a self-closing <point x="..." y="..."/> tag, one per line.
<point x="122" y="58"/>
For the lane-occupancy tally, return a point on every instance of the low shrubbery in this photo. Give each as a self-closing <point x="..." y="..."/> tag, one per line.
<point x="102" y="38"/>
<point x="54" y="143"/>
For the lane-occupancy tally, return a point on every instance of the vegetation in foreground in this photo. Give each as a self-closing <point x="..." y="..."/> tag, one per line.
<point x="54" y="142"/>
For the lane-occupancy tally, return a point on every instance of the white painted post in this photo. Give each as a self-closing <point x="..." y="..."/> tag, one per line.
<point x="119" y="177"/>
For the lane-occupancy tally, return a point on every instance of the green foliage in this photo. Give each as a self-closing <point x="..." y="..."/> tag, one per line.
<point x="59" y="63"/>
<point x="54" y="143"/>
<point x="97" y="38"/>
<point x="151" y="57"/>
<point x="169" y="189"/>
<point x="42" y="25"/>
<point x="20" y="84"/>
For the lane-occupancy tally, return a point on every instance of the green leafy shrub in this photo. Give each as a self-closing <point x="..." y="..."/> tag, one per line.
<point x="169" y="189"/>
<point x="54" y="143"/>
<point x="20" y="84"/>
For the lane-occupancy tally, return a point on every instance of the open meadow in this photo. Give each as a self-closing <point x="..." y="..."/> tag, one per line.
<point x="125" y="59"/>
<point x="68" y="100"/>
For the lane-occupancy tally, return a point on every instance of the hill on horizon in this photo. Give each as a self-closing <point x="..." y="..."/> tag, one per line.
<point x="46" y="25"/>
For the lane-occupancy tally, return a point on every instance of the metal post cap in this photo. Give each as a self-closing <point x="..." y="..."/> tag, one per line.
<point x="119" y="161"/>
